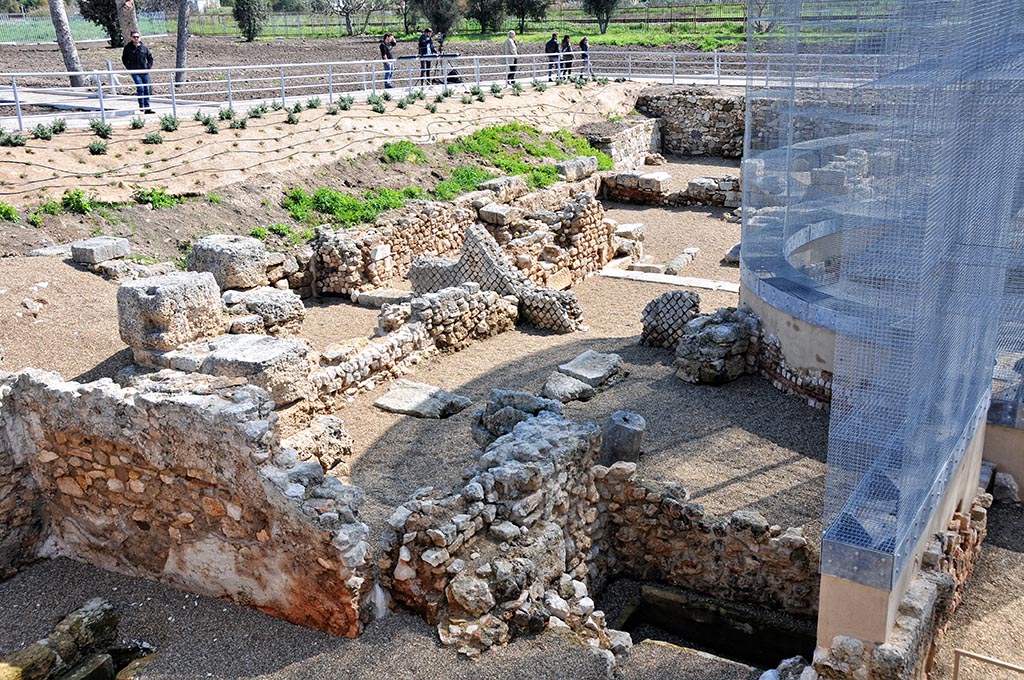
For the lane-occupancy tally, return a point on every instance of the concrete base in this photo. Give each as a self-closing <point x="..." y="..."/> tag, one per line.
<point x="805" y="346"/>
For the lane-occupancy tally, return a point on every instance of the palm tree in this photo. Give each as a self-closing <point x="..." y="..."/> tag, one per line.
<point x="66" y="41"/>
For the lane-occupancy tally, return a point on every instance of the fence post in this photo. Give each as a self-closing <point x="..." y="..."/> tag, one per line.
<point x="103" y="107"/>
<point x="476" y="67"/>
<point x="17" y="103"/>
<point x="174" y="99"/>
<point x="330" y="84"/>
<point x="366" y="81"/>
<point x="373" y="78"/>
<point x="284" y="101"/>
<point x="673" y="69"/>
<point x="230" y="98"/>
<point x="629" y="64"/>
<point x="718" y="68"/>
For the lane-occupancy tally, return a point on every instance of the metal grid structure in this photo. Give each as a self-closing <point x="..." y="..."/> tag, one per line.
<point x="879" y="203"/>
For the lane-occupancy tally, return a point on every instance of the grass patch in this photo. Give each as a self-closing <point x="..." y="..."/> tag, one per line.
<point x="156" y="197"/>
<point x="77" y="201"/>
<point x="400" y="152"/>
<point x="463" y="179"/>
<point x="8" y="213"/>
<point x="344" y="209"/>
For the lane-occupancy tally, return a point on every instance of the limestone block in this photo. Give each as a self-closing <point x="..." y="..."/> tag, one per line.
<point x="647" y="267"/>
<point x="376" y="298"/>
<point x="621" y="438"/>
<point x="506" y="189"/>
<point x="655" y="181"/>
<point x="235" y="261"/>
<point x="577" y="168"/>
<point x="421" y="400"/>
<point x="593" y="368"/>
<point x="277" y="365"/>
<point x="99" y="249"/>
<point x="633" y="231"/>
<point x="163" y="312"/>
<point x="1005" y="488"/>
<point x="282" y="311"/>
<point x="565" y="388"/>
<point x="497" y="213"/>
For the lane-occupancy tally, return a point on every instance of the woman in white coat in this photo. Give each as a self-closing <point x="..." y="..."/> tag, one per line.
<point x="511" y="52"/>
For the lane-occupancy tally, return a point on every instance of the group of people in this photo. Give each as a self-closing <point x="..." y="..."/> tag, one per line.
<point x="561" y="56"/>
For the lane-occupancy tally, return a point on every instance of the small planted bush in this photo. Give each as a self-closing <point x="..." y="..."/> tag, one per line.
<point x="374" y="99"/>
<point x="259" y="233"/>
<point x="98" y="147"/>
<point x="226" y="114"/>
<point x="8" y="213"/>
<point x="42" y="132"/>
<point x="432" y="108"/>
<point x="313" y="103"/>
<point x="386" y="96"/>
<point x="495" y="88"/>
<point x="102" y="130"/>
<point x="378" y="107"/>
<point x="277" y="106"/>
<point x="153" y="138"/>
<point x="168" y="123"/>
<point x="466" y="99"/>
<point x="58" y="126"/>
<point x="475" y="90"/>
<point x="403" y="104"/>
<point x="333" y="110"/>
<point x="12" y="139"/>
<point x="76" y="201"/>
<point x="199" y="116"/>
<point x="211" y="126"/>
<point x="137" y="123"/>
<point x="345" y="103"/>
<point x="238" y="124"/>
<point x="291" y="118"/>
<point x="156" y="197"/>
<point x="298" y="108"/>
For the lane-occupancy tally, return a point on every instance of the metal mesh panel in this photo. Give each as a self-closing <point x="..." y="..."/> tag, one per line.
<point x="884" y="145"/>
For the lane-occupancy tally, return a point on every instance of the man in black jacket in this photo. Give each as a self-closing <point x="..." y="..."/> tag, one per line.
<point x="426" y="53"/>
<point x="552" y="50"/>
<point x="387" y="56"/>
<point x="137" y="57"/>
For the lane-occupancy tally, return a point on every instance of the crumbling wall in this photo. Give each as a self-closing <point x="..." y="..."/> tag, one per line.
<point x="21" y="508"/>
<point x="696" y="121"/>
<point x="653" y="188"/>
<point x="658" y="534"/>
<point x="813" y="386"/>
<point x="348" y="261"/>
<point x="181" y="479"/>
<point x="628" y="143"/>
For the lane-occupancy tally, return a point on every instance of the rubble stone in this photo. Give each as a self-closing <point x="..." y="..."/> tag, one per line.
<point x="163" y="312"/>
<point x="421" y="400"/>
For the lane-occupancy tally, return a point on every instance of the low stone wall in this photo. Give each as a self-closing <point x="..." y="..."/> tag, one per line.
<point x="447" y="320"/>
<point x="180" y="478"/>
<point x="628" y="143"/>
<point x="21" y="507"/>
<point x="924" y="614"/>
<point x="657" y="534"/>
<point x="696" y="121"/>
<point x="814" y="387"/>
<point x="349" y="261"/>
<point x="652" y="188"/>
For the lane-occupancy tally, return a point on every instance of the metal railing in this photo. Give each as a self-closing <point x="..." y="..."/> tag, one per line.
<point x="957" y="653"/>
<point x="30" y="98"/>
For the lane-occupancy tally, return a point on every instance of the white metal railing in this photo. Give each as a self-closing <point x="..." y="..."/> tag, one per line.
<point x="30" y="98"/>
<point x="957" y="653"/>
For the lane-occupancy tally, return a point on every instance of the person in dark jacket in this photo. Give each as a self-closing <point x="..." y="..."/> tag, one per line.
<point x="387" y="56"/>
<point x="426" y="52"/>
<point x="566" y="57"/>
<point x="137" y="57"/>
<point x="586" y="67"/>
<point x="551" y="49"/>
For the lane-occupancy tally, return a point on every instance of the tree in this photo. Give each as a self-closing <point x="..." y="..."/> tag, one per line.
<point x="601" y="10"/>
<point x="534" y="10"/>
<point x="66" y="41"/>
<point x="762" y="14"/>
<point x="490" y="13"/>
<point x="103" y="13"/>
<point x="251" y="16"/>
<point x="347" y="9"/>
<point x="126" y="16"/>
<point x="443" y="15"/>
<point x="407" y="10"/>
<point x="181" y="54"/>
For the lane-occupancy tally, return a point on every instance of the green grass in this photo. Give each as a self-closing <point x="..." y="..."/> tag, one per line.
<point x="344" y="209"/>
<point x="400" y="152"/>
<point x="156" y="197"/>
<point x="465" y="178"/>
<point x="8" y="213"/>
<point x="76" y="201"/>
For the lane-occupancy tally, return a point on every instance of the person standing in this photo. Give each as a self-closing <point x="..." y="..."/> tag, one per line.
<point x="426" y="53"/>
<point x="137" y="57"/>
<point x="551" y="49"/>
<point x="511" y="52"/>
<point x="566" y="56"/>
<point x="586" y="67"/>
<point x="387" y="56"/>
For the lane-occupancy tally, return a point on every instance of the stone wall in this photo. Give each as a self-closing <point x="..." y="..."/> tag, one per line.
<point x="814" y="387"/>
<point x="652" y="188"/>
<point x="180" y="478"/>
<point x="21" y="508"/>
<point x="696" y="121"/>
<point x="658" y="534"/>
<point x="924" y="614"/>
<point x="628" y="142"/>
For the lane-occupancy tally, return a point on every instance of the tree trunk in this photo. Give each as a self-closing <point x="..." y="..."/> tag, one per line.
<point x="126" y="16"/>
<point x="348" y="24"/>
<point x="181" y="57"/>
<point x="66" y="41"/>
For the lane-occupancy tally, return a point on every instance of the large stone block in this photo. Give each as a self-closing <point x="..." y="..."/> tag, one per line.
<point x="163" y="312"/>
<point x="281" y="312"/>
<point x="577" y="168"/>
<point x="99" y="249"/>
<point x="498" y="213"/>
<point x="277" y="365"/>
<point x="235" y="261"/>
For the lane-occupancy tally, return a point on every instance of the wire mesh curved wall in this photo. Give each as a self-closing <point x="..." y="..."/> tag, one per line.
<point x="878" y="203"/>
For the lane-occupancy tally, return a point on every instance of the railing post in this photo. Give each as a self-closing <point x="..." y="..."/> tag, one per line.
<point x="366" y="81"/>
<point x="718" y="68"/>
<point x="230" y="98"/>
<point x="284" y="101"/>
<point x="373" y="78"/>
<point x="103" y="107"/>
<point x="629" y="65"/>
<point x="476" y="67"/>
<point x="330" y="84"/>
<point x="17" y="103"/>
<point x="673" y="69"/>
<point x="174" y="99"/>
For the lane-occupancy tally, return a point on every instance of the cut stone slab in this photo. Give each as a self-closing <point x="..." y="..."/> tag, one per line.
<point x="235" y="261"/>
<point x="647" y="268"/>
<point x="593" y="368"/>
<point x="633" y="231"/>
<point x="577" y="168"/>
<point x="163" y="312"/>
<point x="281" y="312"/>
<point x="52" y="251"/>
<point x="497" y="213"/>
<point x="421" y="400"/>
<point x="100" y="249"/>
<point x="565" y="388"/>
<point x="374" y="299"/>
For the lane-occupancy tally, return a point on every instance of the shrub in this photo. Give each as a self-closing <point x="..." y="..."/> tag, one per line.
<point x="226" y="114"/>
<point x="255" y="112"/>
<point x="76" y="201"/>
<point x="35" y="219"/>
<point x="539" y="86"/>
<point x="386" y="96"/>
<point x="280" y="229"/>
<point x="495" y="88"/>
<point x="12" y="139"/>
<point x="432" y="108"/>
<point x="259" y="232"/>
<point x="466" y="99"/>
<point x="153" y="138"/>
<point x="156" y="197"/>
<point x="251" y="15"/>
<point x="102" y="130"/>
<point x="8" y="213"/>
<point x="297" y="108"/>
<point x="333" y="110"/>
<point x="291" y="118"/>
<point x="211" y="127"/>
<point x="238" y="124"/>
<point x="475" y="90"/>
<point x="199" y="116"/>
<point x="137" y="123"/>
<point x="439" y="99"/>
<point x="447" y="92"/>
<point x="277" y="106"/>
<point x="374" y="99"/>
<point x="313" y="103"/>
<point x="58" y="126"/>
<point x="403" y="104"/>
<point x="168" y="123"/>
<point x="378" y="108"/>
<point x="97" y="147"/>
<point x="345" y="103"/>
<point x="42" y="132"/>
<point x="517" y="89"/>
<point x="215" y="199"/>
<point x="50" y="208"/>
<point x="400" y="152"/>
